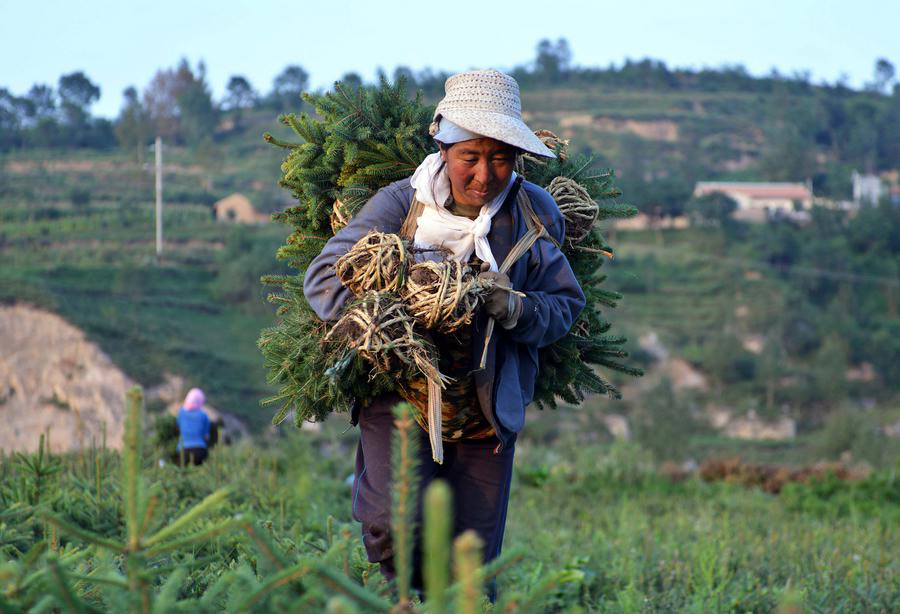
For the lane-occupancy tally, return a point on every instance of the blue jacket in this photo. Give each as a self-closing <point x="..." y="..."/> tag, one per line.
<point x="553" y="297"/>
<point x="194" y="428"/>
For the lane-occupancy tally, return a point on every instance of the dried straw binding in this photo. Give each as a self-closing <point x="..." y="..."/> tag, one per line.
<point x="380" y="329"/>
<point x="339" y="216"/>
<point x="378" y="262"/>
<point x="577" y="207"/>
<point x="555" y="144"/>
<point x="442" y="295"/>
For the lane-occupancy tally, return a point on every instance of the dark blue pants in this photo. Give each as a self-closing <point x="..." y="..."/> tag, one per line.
<point x="477" y="474"/>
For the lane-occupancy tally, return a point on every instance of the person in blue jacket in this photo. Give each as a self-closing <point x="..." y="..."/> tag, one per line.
<point x="467" y="200"/>
<point x="193" y="428"/>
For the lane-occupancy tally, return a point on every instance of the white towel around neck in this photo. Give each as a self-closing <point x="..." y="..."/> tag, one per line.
<point x="438" y="228"/>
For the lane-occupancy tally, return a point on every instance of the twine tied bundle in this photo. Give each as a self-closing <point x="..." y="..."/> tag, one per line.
<point x="378" y="262"/>
<point x="553" y="143"/>
<point x="382" y="332"/>
<point x="339" y="216"/>
<point x="577" y="207"/>
<point x="380" y="329"/>
<point x="442" y="295"/>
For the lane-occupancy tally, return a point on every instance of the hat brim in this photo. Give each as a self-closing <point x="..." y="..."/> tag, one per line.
<point x="502" y="127"/>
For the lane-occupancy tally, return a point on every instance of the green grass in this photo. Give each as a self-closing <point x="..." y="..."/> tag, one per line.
<point x="626" y="539"/>
<point x="695" y="547"/>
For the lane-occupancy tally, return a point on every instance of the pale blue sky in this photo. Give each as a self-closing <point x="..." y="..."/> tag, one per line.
<point x="122" y="43"/>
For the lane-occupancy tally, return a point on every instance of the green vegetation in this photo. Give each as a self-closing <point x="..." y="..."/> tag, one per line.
<point x="196" y="313"/>
<point x="254" y="530"/>
<point x="817" y="299"/>
<point x="780" y="318"/>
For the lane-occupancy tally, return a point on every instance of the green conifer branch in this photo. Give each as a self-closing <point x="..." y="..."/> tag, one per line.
<point x="438" y="528"/>
<point x="283" y="577"/>
<point x="467" y="563"/>
<point x="64" y="593"/>
<point x="131" y="453"/>
<point x="263" y="544"/>
<point x="217" y="529"/>
<point x="211" y="501"/>
<point x="340" y="605"/>
<point x="339" y="582"/>
<point x="84" y="535"/>
<point x="404" y="490"/>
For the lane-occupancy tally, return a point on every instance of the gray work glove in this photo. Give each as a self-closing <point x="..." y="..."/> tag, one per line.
<point x="502" y="305"/>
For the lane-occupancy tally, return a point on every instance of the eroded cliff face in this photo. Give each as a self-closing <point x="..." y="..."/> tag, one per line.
<point x="53" y="378"/>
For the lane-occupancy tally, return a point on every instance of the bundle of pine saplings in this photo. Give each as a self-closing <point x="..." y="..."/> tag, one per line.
<point x="360" y="140"/>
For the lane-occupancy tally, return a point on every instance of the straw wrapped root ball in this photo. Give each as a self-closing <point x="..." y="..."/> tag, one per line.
<point x="553" y="143"/>
<point x="577" y="207"/>
<point x="340" y="216"/>
<point x="441" y="295"/>
<point x="381" y="330"/>
<point x="378" y="262"/>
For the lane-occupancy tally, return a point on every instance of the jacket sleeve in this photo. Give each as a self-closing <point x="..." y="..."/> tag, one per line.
<point x="553" y="296"/>
<point x="384" y="212"/>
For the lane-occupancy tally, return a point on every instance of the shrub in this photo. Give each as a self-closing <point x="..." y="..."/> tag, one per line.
<point x="80" y="197"/>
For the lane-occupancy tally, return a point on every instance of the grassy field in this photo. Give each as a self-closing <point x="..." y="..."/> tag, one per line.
<point x="592" y="527"/>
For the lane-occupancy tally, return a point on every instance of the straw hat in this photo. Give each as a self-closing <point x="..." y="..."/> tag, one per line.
<point x="487" y="102"/>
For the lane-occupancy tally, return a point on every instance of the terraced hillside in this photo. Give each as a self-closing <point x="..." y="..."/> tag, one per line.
<point x="76" y="236"/>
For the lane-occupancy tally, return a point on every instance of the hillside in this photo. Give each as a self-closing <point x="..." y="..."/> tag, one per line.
<point x="76" y="236"/>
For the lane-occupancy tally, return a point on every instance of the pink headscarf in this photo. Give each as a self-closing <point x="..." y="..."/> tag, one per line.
<point x="194" y="399"/>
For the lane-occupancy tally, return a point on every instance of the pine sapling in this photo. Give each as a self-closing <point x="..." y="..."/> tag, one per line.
<point x="467" y="564"/>
<point x="405" y="487"/>
<point x="438" y="527"/>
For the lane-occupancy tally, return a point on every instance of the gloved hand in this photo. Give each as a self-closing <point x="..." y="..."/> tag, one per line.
<point x="501" y="304"/>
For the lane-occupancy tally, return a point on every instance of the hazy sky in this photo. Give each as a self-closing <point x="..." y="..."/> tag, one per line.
<point x="121" y="43"/>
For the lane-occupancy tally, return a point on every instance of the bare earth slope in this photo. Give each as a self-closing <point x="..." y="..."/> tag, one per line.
<point x="52" y="377"/>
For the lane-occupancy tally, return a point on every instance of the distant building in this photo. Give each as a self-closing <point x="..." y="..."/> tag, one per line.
<point x="867" y="189"/>
<point x="758" y="201"/>
<point x="238" y="208"/>
<point x="642" y="221"/>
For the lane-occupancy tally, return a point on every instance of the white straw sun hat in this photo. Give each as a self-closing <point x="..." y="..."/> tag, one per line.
<point x="487" y="102"/>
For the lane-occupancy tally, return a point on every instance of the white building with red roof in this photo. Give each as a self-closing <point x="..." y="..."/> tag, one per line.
<point x="757" y="201"/>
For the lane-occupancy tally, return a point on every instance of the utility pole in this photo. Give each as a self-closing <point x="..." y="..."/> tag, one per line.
<point x="159" y="228"/>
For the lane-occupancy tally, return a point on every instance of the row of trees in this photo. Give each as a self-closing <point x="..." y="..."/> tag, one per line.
<point x="47" y="117"/>
<point x="816" y="132"/>
<point x="176" y="104"/>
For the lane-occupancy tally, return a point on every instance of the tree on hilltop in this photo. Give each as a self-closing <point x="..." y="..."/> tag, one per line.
<point x="287" y="87"/>
<point x="553" y="60"/>
<point x="884" y="75"/>
<point x="133" y="128"/>
<point x="180" y="103"/>
<point x="42" y="103"/>
<point x="240" y="95"/>
<point x="77" y="93"/>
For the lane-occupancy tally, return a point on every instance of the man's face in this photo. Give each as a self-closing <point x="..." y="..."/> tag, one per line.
<point x="479" y="169"/>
